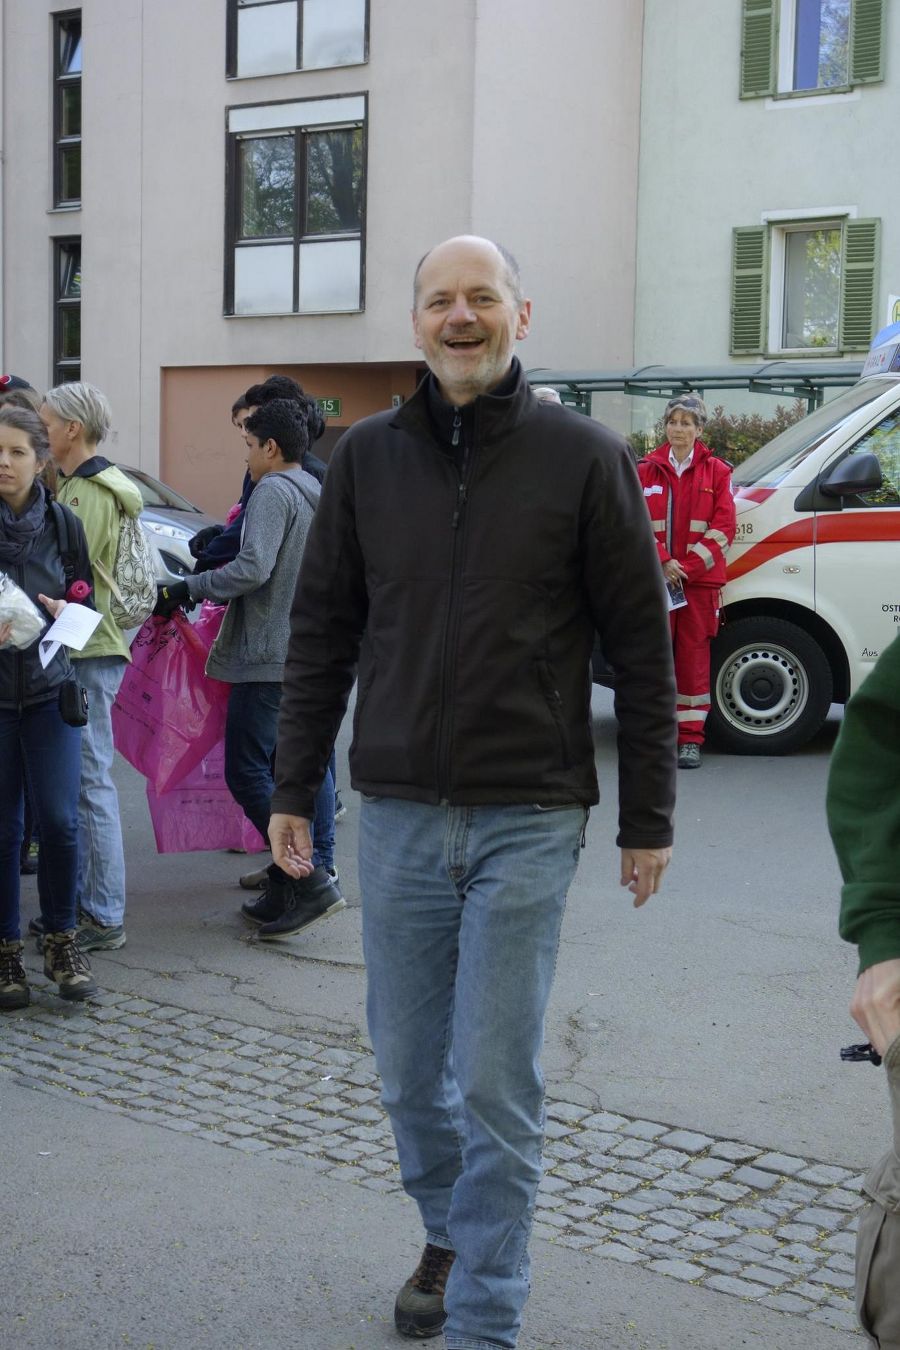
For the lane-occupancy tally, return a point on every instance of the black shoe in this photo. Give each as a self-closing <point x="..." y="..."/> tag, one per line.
<point x="419" y="1310"/>
<point x="36" y="928"/>
<point x="309" y="899"/>
<point x="273" y="901"/>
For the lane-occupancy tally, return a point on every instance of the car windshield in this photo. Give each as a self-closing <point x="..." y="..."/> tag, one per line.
<point x="156" y="493"/>
<point x="775" y="460"/>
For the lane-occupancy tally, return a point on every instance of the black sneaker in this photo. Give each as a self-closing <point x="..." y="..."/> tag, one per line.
<point x="419" y="1310"/>
<point x="68" y="967"/>
<point x="36" y="928"/>
<point x="14" y="991"/>
<point x="309" y="899"/>
<point x="273" y="901"/>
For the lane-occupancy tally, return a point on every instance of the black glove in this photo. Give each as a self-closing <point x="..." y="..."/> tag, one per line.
<point x="171" y="596"/>
<point x="203" y="538"/>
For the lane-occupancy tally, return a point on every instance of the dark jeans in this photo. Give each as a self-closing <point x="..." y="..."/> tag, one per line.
<point x="250" y="733"/>
<point x="36" y="742"/>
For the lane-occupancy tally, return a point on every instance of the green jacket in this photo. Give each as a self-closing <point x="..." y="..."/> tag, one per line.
<point x="864" y="813"/>
<point x="98" y="493"/>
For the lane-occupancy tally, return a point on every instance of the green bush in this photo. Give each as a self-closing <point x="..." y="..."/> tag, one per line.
<point x="734" y="436"/>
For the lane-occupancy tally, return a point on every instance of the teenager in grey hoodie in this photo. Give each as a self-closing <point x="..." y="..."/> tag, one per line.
<point x="249" y="653"/>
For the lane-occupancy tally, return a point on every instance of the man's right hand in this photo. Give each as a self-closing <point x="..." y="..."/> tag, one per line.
<point x="876" y="1003"/>
<point x="291" y="844"/>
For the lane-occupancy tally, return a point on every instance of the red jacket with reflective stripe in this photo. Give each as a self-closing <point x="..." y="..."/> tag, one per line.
<point x="692" y="516"/>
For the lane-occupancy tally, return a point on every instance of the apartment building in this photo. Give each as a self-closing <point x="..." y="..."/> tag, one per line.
<point x="198" y="192"/>
<point x="768" y="209"/>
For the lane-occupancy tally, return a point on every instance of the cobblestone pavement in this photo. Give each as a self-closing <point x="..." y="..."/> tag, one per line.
<point x="729" y="1216"/>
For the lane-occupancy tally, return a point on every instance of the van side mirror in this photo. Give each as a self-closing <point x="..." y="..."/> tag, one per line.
<point x="854" y="475"/>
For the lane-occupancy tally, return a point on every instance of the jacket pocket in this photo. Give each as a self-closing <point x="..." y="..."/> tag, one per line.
<point x="362" y="695"/>
<point x="554" y="704"/>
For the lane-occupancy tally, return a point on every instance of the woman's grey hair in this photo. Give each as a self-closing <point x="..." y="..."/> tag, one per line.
<point x="79" y="402"/>
<point x="23" y="419"/>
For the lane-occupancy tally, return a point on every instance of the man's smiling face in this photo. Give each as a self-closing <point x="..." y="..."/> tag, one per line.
<point x="466" y="318"/>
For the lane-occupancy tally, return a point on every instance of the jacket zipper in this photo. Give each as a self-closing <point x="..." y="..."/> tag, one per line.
<point x="451" y="627"/>
<point x="20" y="656"/>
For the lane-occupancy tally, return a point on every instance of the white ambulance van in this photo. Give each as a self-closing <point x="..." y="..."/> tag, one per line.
<point x="813" y="593"/>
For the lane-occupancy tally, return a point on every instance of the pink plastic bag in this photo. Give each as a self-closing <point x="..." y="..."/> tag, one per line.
<point x="168" y="714"/>
<point x="200" y="813"/>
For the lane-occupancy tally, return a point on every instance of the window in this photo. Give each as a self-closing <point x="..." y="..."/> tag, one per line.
<point x="296" y="207"/>
<point x="67" y="311"/>
<point x="883" y="442"/>
<point x="804" y="285"/>
<point x="810" y="46"/>
<point x="67" y="109"/>
<point x="270" y="37"/>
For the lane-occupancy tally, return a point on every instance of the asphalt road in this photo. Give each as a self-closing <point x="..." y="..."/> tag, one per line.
<point x="719" y="1006"/>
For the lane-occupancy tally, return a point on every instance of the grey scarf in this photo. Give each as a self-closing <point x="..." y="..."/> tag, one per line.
<point x="19" y="534"/>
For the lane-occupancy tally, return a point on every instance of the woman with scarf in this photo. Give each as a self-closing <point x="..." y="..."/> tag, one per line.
<point x="34" y="739"/>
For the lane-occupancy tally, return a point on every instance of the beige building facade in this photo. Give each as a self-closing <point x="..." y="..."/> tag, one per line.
<point x="197" y="194"/>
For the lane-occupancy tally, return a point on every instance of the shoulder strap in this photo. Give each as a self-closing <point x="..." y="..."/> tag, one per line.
<point x="65" y="534"/>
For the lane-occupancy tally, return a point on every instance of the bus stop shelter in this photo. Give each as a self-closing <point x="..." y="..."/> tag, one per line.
<point x="793" y="379"/>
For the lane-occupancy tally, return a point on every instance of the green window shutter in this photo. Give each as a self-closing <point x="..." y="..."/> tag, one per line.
<point x="867" y="41"/>
<point x="758" y="30"/>
<point x="860" y="253"/>
<point x="749" y="289"/>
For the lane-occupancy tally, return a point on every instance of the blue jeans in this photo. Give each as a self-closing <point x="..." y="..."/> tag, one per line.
<point x="462" y="908"/>
<point x="36" y="744"/>
<point x="251" y="729"/>
<point x="101" y="866"/>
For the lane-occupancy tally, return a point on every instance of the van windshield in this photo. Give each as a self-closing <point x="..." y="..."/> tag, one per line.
<point x="775" y="460"/>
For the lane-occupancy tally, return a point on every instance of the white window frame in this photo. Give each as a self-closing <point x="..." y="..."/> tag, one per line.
<point x="780" y="224"/>
<point x="787" y="24"/>
<point x="341" y="112"/>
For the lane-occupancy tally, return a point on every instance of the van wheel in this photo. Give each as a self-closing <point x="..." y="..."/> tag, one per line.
<point x="771" y="687"/>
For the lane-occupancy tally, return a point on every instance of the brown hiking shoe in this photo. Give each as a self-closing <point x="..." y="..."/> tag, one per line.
<point x="419" y="1310"/>
<point x="13" y="980"/>
<point x="68" y="967"/>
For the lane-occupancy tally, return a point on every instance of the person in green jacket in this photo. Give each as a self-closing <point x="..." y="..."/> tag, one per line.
<point x="77" y="417"/>
<point x="864" y="819"/>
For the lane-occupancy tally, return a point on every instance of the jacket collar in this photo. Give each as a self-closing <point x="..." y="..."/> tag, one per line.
<point x="497" y="413"/>
<point x="96" y="464"/>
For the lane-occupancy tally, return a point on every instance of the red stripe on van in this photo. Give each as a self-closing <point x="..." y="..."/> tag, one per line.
<point x="840" y="527"/>
<point x="753" y="494"/>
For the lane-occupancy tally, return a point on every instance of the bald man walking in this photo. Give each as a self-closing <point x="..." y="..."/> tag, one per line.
<point x="465" y="549"/>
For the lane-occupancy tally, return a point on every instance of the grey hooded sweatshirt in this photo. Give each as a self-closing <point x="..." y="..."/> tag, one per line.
<point x="258" y="585"/>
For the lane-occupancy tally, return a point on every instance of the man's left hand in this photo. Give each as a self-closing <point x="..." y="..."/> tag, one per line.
<point x="291" y="842"/>
<point x="642" y="870"/>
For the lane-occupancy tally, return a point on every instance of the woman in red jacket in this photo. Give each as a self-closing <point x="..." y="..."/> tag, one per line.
<point x="688" y="494"/>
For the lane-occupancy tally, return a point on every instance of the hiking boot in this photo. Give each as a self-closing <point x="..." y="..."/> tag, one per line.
<point x="254" y="881"/>
<point x="68" y="967"/>
<point x="14" y="992"/>
<point x="419" y="1310"/>
<point x="689" y="756"/>
<point x="308" y="900"/>
<point x="99" y="937"/>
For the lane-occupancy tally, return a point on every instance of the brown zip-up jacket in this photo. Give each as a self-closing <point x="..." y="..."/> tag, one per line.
<point x="468" y="586"/>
